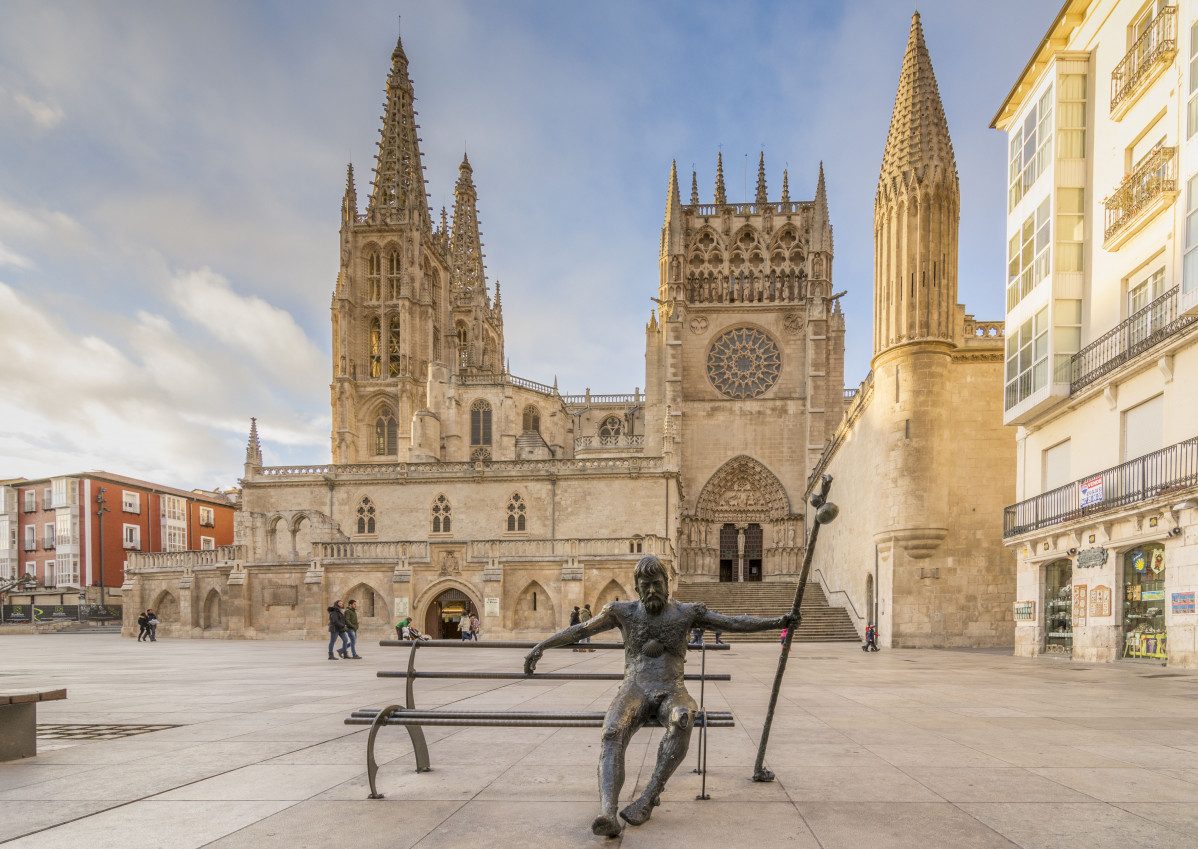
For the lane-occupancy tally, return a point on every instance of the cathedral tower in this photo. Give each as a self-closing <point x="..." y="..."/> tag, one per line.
<point x="389" y="305"/>
<point x="477" y="323"/>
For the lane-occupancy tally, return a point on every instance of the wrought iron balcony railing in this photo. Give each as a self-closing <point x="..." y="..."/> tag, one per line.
<point x="1152" y="50"/>
<point x="1155" y="179"/>
<point x="1161" y="472"/>
<point x="1141" y="331"/>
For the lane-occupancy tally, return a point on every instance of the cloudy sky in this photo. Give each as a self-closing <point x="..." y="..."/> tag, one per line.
<point x="171" y="175"/>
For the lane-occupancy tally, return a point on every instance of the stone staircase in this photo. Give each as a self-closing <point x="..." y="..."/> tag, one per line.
<point x="821" y="623"/>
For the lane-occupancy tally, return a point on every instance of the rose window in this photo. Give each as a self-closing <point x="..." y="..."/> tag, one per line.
<point x="744" y="363"/>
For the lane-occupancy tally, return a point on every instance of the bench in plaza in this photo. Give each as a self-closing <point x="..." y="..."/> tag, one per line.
<point x="414" y="719"/>
<point x="18" y="721"/>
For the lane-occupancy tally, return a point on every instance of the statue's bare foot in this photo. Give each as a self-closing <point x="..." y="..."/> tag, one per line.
<point x="605" y="826"/>
<point x="638" y="812"/>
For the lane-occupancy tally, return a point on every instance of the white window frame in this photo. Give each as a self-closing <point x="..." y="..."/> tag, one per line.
<point x="29" y="503"/>
<point x="131" y="537"/>
<point x="49" y="539"/>
<point x="1189" y="262"/>
<point x="207" y="543"/>
<point x="31" y="567"/>
<point x="51" y="577"/>
<point x="30" y="537"/>
<point x="207" y="517"/>
<point x="130" y="501"/>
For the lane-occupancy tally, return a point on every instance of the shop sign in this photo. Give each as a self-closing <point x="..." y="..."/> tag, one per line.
<point x="1100" y="602"/>
<point x="1152" y="595"/>
<point x="1091" y="491"/>
<point x="401" y="606"/>
<point x="13" y="614"/>
<point x="1183" y="603"/>
<point x="1079" y="605"/>
<point x="1025" y="610"/>
<point x="1090" y="558"/>
<point x="491" y="607"/>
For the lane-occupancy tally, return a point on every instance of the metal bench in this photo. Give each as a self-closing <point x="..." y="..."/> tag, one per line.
<point x="18" y="721"/>
<point x="413" y="719"/>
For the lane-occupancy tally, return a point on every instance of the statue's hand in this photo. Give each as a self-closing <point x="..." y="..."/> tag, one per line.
<point x="530" y="660"/>
<point x="791" y="620"/>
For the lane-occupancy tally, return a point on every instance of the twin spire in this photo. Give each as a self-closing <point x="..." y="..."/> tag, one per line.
<point x="762" y="195"/>
<point x="465" y="246"/>
<point x="398" y="187"/>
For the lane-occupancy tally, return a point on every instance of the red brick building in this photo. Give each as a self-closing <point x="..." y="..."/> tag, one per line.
<point x="77" y="530"/>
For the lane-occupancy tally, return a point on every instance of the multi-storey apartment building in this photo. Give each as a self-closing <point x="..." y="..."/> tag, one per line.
<point x="77" y="530"/>
<point x="1102" y="332"/>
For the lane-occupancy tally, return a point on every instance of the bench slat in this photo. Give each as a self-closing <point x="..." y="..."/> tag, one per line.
<point x="518" y="644"/>
<point x="542" y="676"/>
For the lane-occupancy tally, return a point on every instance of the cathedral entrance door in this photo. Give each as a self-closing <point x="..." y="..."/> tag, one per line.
<point x="729" y="556"/>
<point x="752" y="556"/>
<point x="444" y="614"/>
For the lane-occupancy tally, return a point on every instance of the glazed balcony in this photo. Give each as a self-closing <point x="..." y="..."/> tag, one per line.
<point x="1140" y="332"/>
<point x="1147" y="59"/>
<point x="1163" y="472"/>
<point x="1150" y="188"/>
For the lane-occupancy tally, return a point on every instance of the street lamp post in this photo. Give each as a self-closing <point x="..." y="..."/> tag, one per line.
<point x="100" y="513"/>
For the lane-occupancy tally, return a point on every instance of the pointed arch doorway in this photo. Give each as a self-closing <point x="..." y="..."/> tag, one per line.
<point x="443" y="617"/>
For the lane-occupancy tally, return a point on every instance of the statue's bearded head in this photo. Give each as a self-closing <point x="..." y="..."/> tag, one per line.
<point x="652" y="584"/>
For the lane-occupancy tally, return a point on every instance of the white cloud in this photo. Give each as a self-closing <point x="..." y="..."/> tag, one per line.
<point x="250" y="325"/>
<point x="45" y="115"/>
<point x="13" y="259"/>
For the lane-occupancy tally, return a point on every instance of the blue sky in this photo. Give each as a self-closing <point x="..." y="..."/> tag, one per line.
<point x="171" y="175"/>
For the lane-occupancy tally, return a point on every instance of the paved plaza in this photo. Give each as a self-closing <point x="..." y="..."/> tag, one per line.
<point x="896" y="749"/>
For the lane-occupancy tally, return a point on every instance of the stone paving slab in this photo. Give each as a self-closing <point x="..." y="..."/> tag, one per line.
<point x="888" y="750"/>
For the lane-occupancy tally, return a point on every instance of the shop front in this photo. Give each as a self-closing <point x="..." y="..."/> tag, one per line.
<point x="1058" y="607"/>
<point x="1144" y="602"/>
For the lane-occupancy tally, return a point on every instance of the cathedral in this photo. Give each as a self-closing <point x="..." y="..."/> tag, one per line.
<point x="457" y="487"/>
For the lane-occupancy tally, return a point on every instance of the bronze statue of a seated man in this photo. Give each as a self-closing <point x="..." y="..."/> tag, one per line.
<point x="655" y="630"/>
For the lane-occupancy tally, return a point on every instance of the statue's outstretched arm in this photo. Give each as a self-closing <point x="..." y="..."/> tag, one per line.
<point x="604" y="620"/>
<point x="721" y="622"/>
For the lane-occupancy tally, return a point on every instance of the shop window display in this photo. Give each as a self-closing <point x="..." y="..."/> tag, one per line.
<point x="1058" y="609"/>
<point x="1144" y="603"/>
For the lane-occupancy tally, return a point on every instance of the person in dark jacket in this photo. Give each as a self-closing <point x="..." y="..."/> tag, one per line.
<point x="338" y="628"/>
<point x="351" y="623"/>
<point x="143" y="623"/>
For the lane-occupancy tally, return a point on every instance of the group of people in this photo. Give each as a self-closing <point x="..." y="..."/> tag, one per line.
<point x="470" y="627"/>
<point x="147" y="624"/>
<point x="577" y="617"/>
<point x="343" y="625"/>
<point x="697" y="637"/>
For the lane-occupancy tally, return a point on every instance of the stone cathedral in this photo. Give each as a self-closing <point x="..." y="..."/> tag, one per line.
<point x="458" y="487"/>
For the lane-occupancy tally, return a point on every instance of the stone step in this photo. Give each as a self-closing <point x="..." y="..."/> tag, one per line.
<point x="821" y="622"/>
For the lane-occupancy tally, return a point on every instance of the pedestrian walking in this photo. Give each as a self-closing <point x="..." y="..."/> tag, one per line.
<point x="785" y="631"/>
<point x="464" y="626"/>
<point x="338" y="628"/>
<point x="152" y="624"/>
<point x="718" y="641"/>
<point x="351" y="628"/>
<point x="871" y="638"/>
<point x="583" y="616"/>
<point x="575" y="619"/>
<point x="475" y="626"/>
<point x="143" y="624"/>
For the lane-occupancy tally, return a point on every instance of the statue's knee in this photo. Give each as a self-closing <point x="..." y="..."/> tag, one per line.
<point x="682" y="717"/>
<point x="611" y="734"/>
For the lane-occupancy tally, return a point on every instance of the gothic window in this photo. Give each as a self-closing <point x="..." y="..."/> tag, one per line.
<point x="376" y="349"/>
<point x="463" y="346"/>
<point x="516" y="520"/>
<point x="393" y="276"/>
<point x="610" y="430"/>
<point x="436" y="344"/>
<point x="480" y="423"/>
<point x="374" y="267"/>
<point x="441" y="515"/>
<point x="744" y="363"/>
<point x="434" y="288"/>
<point x="393" y="346"/>
<point x="366" y="517"/>
<point x="532" y="418"/>
<point x="386" y="434"/>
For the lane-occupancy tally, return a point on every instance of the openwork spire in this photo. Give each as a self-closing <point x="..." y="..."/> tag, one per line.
<point x="694" y="188"/>
<point x="253" y="448"/>
<point x="398" y="172"/>
<point x="673" y="196"/>
<point x="466" y="247"/>
<point x="786" y="187"/>
<point x="821" y="230"/>
<point x="762" y="196"/>
<point x="721" y="197"/>
<point x="918" y="137"/>
<point x="349" y="204"/>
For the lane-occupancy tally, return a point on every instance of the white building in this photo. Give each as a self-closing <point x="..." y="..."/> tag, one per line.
<point x="1102" y="305"/>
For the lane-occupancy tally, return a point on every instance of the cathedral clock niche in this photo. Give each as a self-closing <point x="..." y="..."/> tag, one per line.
<point x="743" y="363"/>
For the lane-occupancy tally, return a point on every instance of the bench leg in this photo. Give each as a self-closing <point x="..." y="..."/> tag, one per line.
<point x="18" y="731"/>
<point x="419" y="746"/>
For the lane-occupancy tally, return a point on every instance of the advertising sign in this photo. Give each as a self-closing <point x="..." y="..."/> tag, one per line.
<point x="1079" y="605"/>
<point x="1091" y="491"/>
<point x="1183" y="603"/>
<point x="1025" y="610"/>
<point x="18" y="614"/>
<point x="1100" y="602"/>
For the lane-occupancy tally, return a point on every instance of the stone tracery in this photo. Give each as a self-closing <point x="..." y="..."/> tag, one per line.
<point x="743" y="490"/>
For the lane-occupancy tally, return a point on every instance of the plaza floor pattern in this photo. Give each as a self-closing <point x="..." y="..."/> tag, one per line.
<point x="896" y="749"/>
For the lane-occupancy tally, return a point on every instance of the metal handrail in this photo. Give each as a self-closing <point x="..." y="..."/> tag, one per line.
<point x="1141" y="331"/>
<point x="1161" y="472"/>
<point x="823" y="583"/>
<point x="1155" y="175"/>
<point x="1157" y="42"/>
